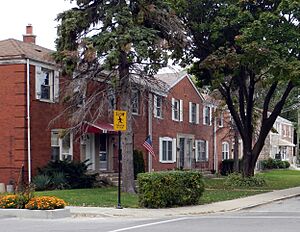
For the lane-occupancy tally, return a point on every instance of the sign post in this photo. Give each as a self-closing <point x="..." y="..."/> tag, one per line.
<point x="120" y="120"/>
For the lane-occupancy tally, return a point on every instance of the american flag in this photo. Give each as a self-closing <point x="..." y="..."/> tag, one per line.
<point x="148" y="145"/>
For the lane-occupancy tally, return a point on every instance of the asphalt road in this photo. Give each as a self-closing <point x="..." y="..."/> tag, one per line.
<point x="283" y="216"/>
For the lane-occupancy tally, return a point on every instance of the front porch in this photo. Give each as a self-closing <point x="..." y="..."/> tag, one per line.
<point x="99" y="146"/>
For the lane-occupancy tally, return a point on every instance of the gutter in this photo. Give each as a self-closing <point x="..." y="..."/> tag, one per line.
<point x="28" y="120"/>
<point x="150" y="110"/>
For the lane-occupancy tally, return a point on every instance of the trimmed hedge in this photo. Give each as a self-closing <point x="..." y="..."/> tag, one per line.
<point x="171" y="188"/>
<point x="274" y="164"/>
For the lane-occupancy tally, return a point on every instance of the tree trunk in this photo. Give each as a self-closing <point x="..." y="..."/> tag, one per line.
<point x="247" y="164"/>
<point x="125" y="104"/>
<point x="127" y="152"/>
<point x="236" y="151"/>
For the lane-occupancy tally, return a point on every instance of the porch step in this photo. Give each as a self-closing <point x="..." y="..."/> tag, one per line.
<point x="109" y="178"/>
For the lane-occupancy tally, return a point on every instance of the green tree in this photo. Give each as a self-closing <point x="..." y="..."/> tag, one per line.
<point x="242" y="47"/>
<point x="114" y="41"/>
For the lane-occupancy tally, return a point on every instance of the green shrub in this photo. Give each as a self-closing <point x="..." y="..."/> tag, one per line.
<point x="59" y="181"/>
<point x="268" y="164"/>
<point x="74" y="172"/>
<point x="41" y="182"/>
<point x="287" y="164"/>
<point x="138" y="163"/>
<point x="172" y="188"/>
<point x="237" y="180"/>
<point x="274" y="163"/>
<point x="227" y="166"/>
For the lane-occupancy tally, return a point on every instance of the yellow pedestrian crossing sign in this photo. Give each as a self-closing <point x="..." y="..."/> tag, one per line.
<point x="120" y="119"/>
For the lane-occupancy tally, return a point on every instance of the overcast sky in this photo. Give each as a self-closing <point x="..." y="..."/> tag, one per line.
<point x="16" y="14"/>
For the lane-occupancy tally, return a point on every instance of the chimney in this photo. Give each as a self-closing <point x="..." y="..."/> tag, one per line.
<point x="29" y="37"/>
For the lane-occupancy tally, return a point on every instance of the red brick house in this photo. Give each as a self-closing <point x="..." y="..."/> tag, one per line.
<point x="183" y="124"/>
<point x="29" y="91"/>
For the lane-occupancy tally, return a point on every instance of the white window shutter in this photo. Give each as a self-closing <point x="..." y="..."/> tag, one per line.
<point x="160" y="149"/>
<point x="206" y="143"/>
<point x="38" y="77"/>
<point x="181" y="110"/>
<point x="196" y="149"/>
<point x="197" y="114"/>
<point x="174" y="150"/>
<point x="173" y="113"/>
<point x="155" y="106"/>
<point x="56" y="86"/>
<point x="210" y="116"/>
<point x="203" y="117"/>
<point x="190" y="112"/>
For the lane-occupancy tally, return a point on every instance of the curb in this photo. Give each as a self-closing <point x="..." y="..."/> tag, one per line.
<point x="270" y="201"/>
<point x="37" y="214"/>
<point x="206" y="210"/>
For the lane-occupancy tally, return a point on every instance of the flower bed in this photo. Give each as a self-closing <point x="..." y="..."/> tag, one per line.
<point x="18" y="201"/>
<point x="28" y="206"/>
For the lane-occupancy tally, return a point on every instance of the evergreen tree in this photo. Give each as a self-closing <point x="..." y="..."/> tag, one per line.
<point x="112" y="41"/>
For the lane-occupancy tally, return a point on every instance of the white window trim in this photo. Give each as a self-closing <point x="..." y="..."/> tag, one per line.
<point x="155" y="107"/>
<point x="190" y="113"/>
<point x="196" y="150"/>
<point x="210" y="116"/>
<point x="53" y="83"/>
<point x="221" y="120"/>
<point x="60" y="140"/>
<point x="223" y="151"/>
<point x="180" y="110"/>
<point x="135" y="91"/>
<point x="174" y="150"/>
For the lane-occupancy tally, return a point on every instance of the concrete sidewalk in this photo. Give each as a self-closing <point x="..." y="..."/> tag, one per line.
<point x="223" y="206"/>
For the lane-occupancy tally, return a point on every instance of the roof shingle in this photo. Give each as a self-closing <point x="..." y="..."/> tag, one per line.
<point x="12" y="49"/>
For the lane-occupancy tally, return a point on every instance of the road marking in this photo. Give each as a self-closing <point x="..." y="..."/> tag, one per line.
<point x="149" y="224"/>
<point x="246" y="217"/>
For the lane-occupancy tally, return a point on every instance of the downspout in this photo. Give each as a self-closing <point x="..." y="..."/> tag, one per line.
<point x="150" y="104"/>
<point x="28" y="122"/>
<point x="215" y="143"/>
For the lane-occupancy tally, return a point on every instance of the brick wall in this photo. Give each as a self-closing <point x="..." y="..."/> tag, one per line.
<point x="12" y="121"/>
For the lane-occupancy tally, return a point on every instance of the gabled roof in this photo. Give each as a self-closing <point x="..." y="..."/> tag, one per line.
<point x="172" y="79"/>
<point x="15" y="49"/>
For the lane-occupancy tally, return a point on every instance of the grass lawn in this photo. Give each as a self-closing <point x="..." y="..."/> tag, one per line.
<point x="215" y="191"/>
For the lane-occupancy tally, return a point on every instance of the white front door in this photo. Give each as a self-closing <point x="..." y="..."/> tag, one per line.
<point x="88" y="149"/>
<point x="103" y="153"/>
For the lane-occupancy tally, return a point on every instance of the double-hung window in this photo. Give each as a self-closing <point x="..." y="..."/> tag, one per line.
<point x="201" y="150"/>
<point x="167" y="150"/>
<point x="61" y="146"/>
<point x="193" y="113"/>
<point x="207" y="115"/>
<point x="177" y="109"/>
<point x="221" y="120"/>
<point x="225" y="150"/>
<point x="111" y="100"/>
<point x="158" y="103"/>
<point x="135" y="97"/>
<point x="46" y="84"/>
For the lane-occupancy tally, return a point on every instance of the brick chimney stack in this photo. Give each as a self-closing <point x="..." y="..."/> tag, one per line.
<point x="29" y="37"/>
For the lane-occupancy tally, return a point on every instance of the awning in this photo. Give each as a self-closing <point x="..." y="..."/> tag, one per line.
<point x="100" y="127"/>
<point x="285" y="143"/>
